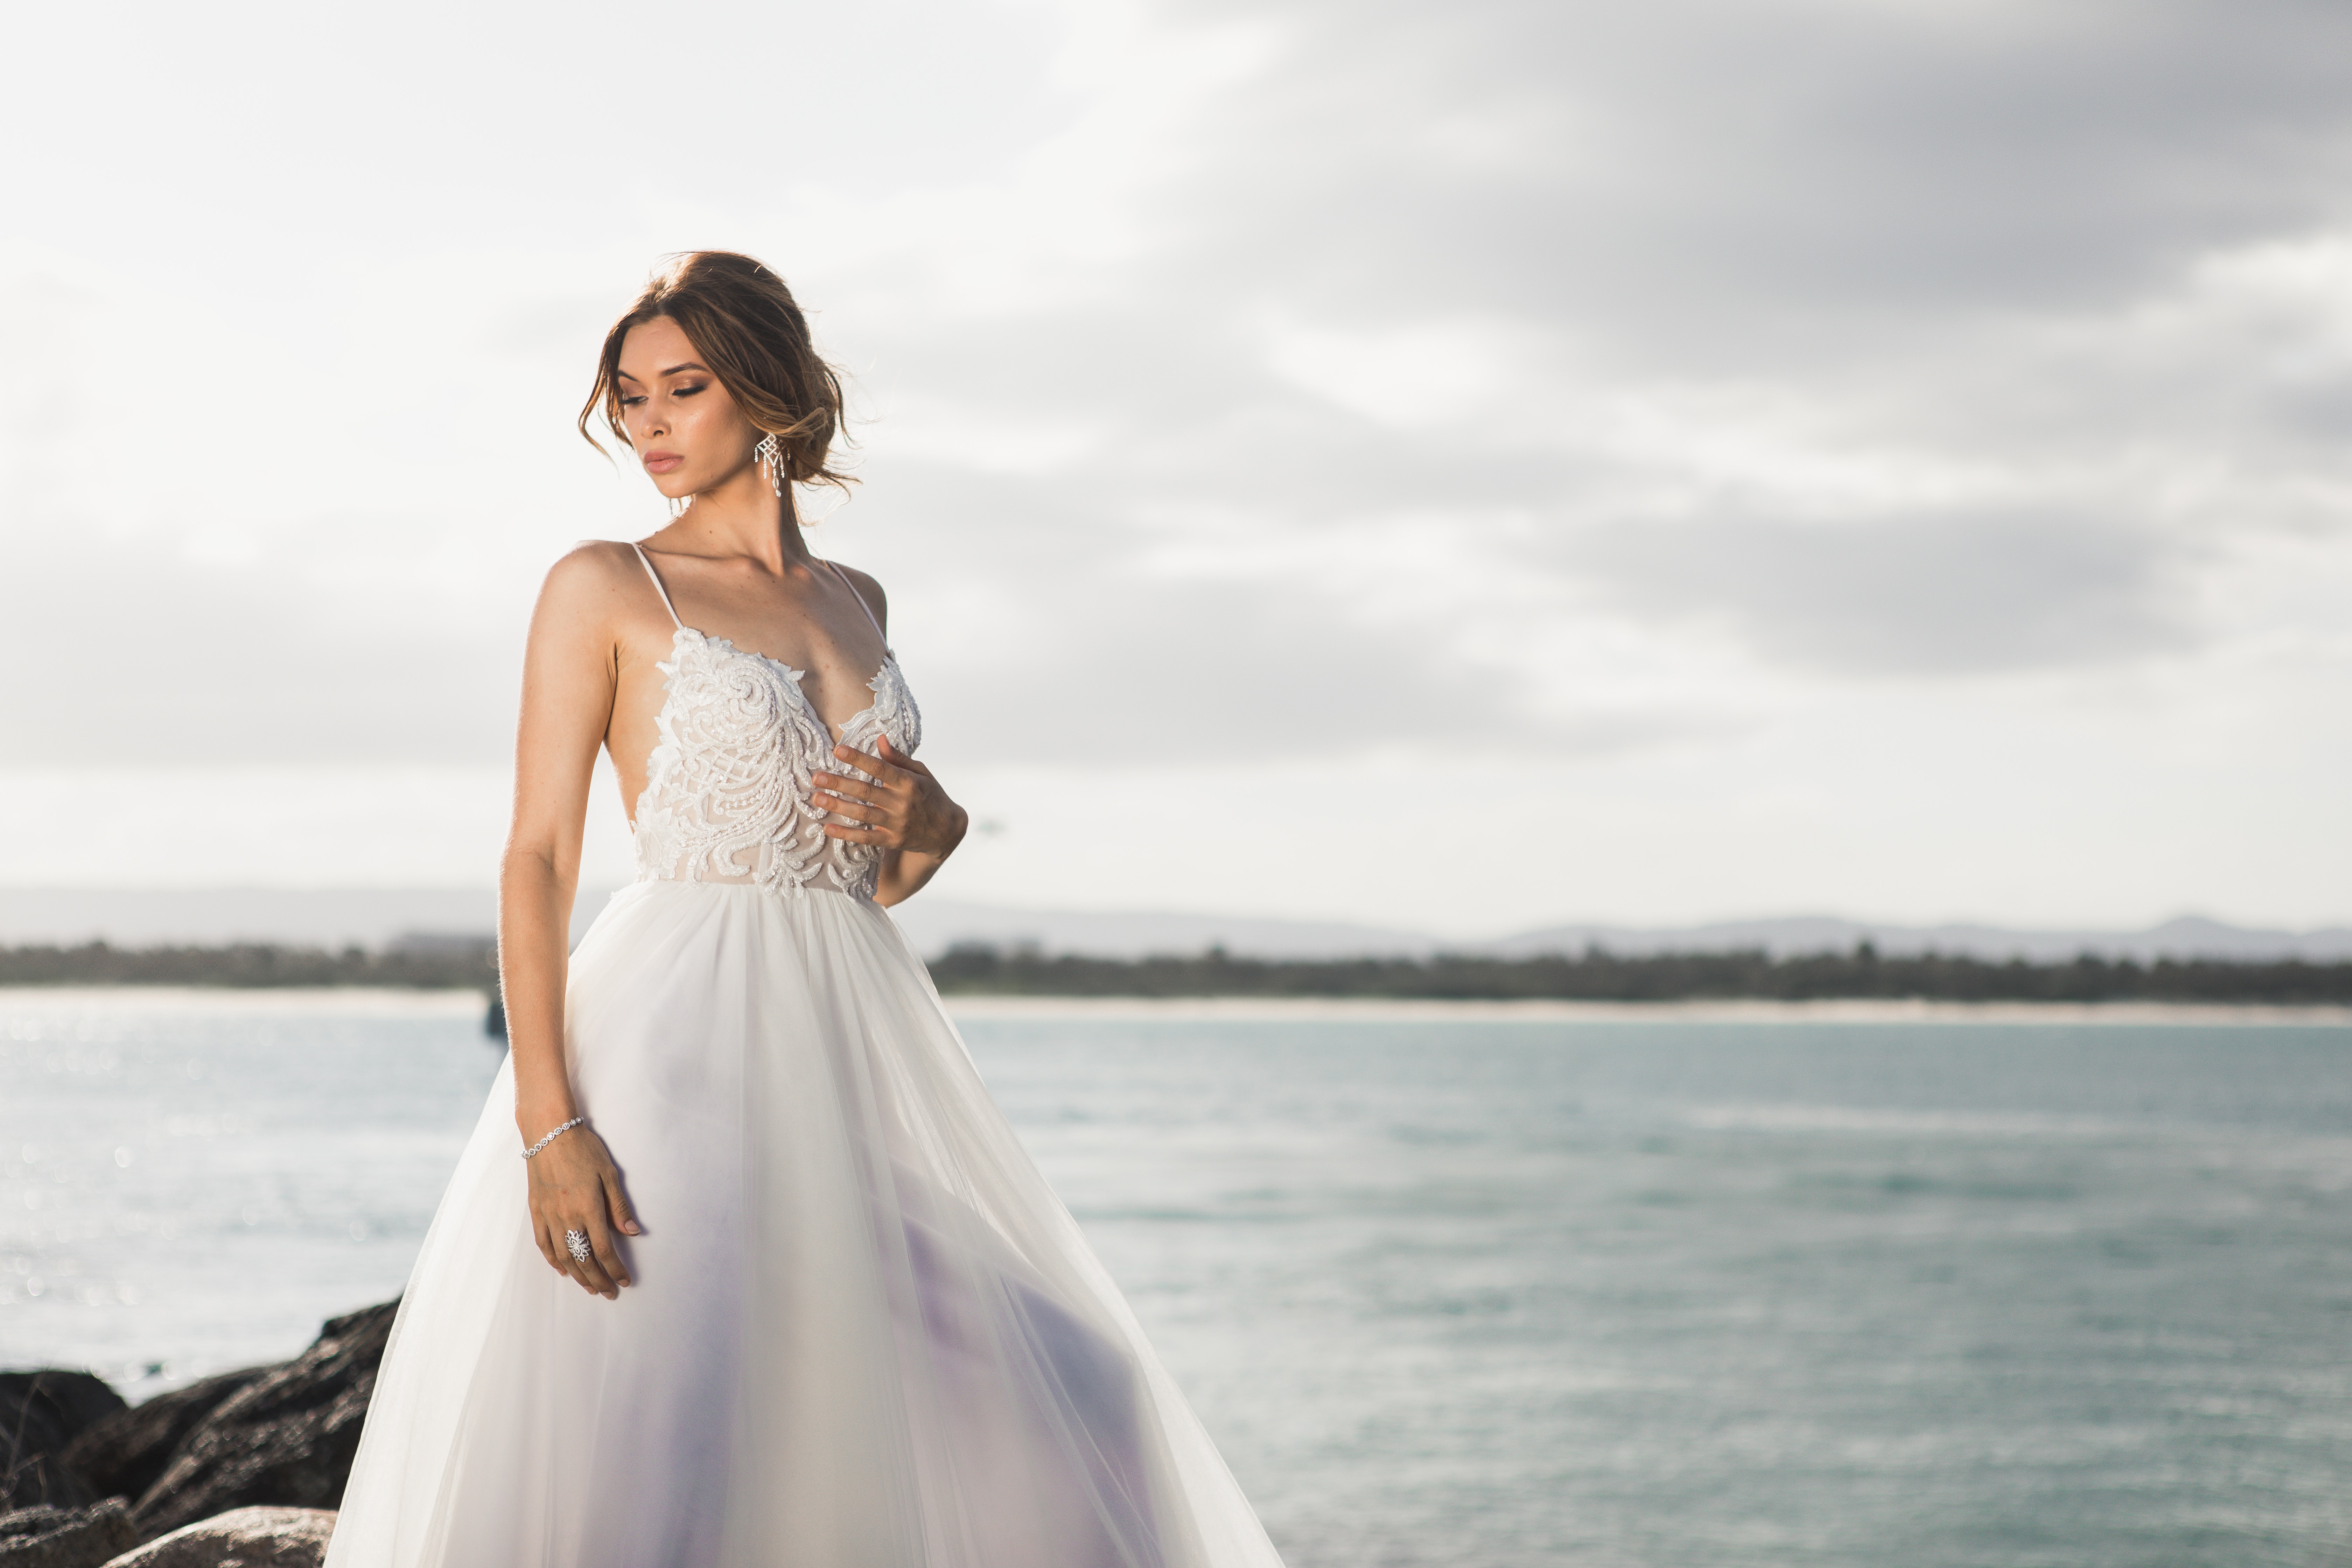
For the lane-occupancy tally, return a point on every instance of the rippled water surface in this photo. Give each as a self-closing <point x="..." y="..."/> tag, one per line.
<point x="1472" y="1292"/>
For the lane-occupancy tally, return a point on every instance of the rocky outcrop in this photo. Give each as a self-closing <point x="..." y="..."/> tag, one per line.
<point x="285" y="1438"/>
<point x="248" y="1538"/>
<point x="265" y="1451"/>
<point x="67" y="1538"/>
<point x="124" y="1454"/>
<point x="40" y="1413"/>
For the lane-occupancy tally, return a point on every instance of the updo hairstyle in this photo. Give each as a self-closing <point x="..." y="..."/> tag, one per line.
<point x="748" y="333"/>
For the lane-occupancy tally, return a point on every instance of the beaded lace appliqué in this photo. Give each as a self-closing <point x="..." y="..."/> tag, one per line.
<point x="727" y="786"/>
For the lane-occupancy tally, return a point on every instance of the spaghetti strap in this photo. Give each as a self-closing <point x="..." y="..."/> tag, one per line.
<point x="645" y="561"/>
<point x="861" y="601"/>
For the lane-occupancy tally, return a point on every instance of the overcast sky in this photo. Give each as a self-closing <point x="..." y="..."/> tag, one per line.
<point x="1465" y="466"/>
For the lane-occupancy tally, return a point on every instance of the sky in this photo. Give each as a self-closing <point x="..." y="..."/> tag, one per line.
<point x="1462" y="467"/>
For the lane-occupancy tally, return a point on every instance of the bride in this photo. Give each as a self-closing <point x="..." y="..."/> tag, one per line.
<point x="774" y="1283"/>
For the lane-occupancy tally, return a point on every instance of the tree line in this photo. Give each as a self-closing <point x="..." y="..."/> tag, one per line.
<point x="1594" y="975"/>
<point x="440" y="967"/>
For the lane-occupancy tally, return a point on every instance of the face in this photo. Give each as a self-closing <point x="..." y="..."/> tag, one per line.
<point x="688" y="432"/>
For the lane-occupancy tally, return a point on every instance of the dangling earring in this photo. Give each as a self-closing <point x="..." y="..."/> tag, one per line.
<point x="771" y="454"/>
<point x="678" y="505"/>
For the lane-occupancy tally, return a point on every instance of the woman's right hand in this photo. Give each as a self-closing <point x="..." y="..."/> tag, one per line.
<point x="574" y="1185"/>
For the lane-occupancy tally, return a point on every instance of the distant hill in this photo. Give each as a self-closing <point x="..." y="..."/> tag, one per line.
<point x="380" y="918"/>
<point x="2188" y="937"/>
<point x="936" y="926"/>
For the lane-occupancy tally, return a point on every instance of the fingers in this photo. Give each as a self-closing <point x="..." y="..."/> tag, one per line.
<point x="606" y="1273"/>
<point x="849" y="788"/>
<point x="574" y="1266"/>
<point x="548" y="1232"/>
<point x="603" y="1217"/>
<point x="854" y="800"/>
<point x="556" y="1248"/>
<point x="885" y="811"/>
<point x="884" y="769"/>
<point x="616" y="1203"/>
<point x="593" y="1278"/>
<point x="865" y="813"/>
<point x="852" y="810"/>
<point x="594" y="1272"/>
<point x="860" y="817"/>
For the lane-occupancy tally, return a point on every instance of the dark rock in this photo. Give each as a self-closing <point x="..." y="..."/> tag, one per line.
<point x="40" y="1413"/>
<point x="122" y="1455"/>
<point x="248" y="1538"/>
<point x="286" y="1439"/>
<point x="67" y="1538"/>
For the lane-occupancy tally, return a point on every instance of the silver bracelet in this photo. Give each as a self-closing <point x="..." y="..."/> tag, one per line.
<point x="553" y="1136"/>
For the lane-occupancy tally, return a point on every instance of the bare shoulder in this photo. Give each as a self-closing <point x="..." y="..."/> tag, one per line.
<point x="593" y="566"/>
<point x="869" y="590"/>
<point x="597" y="610"/>
<point x="595" y="579"/>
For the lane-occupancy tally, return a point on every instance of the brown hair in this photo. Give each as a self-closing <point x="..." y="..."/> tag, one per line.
<point x="742" y="321"/>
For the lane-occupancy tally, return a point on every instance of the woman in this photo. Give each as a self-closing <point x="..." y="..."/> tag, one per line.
<point x="775" y="1283"/>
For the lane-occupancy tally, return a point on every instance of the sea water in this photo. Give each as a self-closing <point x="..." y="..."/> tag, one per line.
<point x="1463" y="1291"/>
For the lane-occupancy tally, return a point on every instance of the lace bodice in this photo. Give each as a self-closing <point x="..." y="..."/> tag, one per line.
<point x="727" y="795"/>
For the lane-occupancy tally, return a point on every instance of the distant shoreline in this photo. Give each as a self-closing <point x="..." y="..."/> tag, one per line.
<point x="467" y="1002"/>
<point x="1854" y="1010"/>
<point x="1750" y="984"/>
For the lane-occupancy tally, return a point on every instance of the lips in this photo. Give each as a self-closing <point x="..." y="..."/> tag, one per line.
<point x="662" y="462"/>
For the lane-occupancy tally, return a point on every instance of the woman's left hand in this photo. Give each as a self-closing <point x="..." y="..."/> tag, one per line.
<point x="904" y="808"/>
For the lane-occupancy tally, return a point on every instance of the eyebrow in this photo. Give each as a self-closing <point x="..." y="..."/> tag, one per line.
<point x="673" y="370"/>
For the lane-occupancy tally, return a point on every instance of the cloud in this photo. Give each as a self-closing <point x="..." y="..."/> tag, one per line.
<point x="1716" y="162"/>
<point x="1291" y="381"/>
<point x="1952" y="594"/>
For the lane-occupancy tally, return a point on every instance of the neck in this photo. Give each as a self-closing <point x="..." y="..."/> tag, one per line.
<point x="740" y="516"/>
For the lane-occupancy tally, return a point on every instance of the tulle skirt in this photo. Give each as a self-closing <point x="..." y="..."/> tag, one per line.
<point x="863" y="1332"/>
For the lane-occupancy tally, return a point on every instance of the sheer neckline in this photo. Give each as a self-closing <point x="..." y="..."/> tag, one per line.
<point x="794" y="678"/>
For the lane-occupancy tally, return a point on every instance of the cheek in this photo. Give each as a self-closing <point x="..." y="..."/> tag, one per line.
<point x="716" y="431"/>
<point x="710" y="418"/>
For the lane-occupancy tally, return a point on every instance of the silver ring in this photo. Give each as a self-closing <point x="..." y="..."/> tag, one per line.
<point x="577" y="1242"/>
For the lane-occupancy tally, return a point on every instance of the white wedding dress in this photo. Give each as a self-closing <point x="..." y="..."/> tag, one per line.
<point x="864" y="1333"/>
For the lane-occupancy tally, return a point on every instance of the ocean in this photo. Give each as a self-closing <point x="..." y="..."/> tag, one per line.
<point x="1474" y="1290"/>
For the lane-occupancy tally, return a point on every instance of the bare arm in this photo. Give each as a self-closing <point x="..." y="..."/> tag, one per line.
<point x="569" y="674"/>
